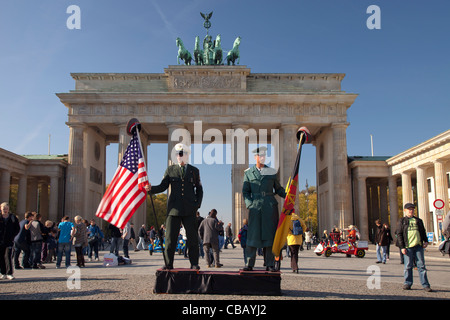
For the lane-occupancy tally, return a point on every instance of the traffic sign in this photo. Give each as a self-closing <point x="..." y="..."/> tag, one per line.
<point x="438" y="204"/>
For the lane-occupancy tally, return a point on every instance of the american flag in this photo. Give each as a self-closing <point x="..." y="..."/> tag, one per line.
<point x="126" y="192"/>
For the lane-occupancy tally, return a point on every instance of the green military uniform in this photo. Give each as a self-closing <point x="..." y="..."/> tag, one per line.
<point x="259" y="191"/>
<point x="185" y="198"/>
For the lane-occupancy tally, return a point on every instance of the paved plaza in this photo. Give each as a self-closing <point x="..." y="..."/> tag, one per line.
<point x="320" y="278"/>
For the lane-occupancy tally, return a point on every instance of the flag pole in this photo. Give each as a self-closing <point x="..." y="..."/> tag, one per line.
<point x="303" y="136"/>
<point x="159" y="233"/>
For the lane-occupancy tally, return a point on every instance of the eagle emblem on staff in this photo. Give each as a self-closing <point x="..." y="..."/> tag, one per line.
<point x="207" y="23"/>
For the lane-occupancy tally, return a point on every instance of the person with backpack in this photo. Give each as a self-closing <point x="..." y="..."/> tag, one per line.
<point x="295" y="239"/>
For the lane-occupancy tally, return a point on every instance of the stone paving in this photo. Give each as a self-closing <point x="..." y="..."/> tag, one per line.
<point x="320" y="278"/>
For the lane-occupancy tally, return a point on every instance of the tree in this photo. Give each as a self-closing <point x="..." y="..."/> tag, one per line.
<point x="307" y="207"/>
<point x="160" y="202"/>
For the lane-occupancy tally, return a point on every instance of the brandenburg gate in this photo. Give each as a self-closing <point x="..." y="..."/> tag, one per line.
<point x="221" y="97"/>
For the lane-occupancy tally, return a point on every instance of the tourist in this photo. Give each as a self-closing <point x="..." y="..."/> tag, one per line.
<point x="22" y="242"/>
<point x="142" y="234"/>
<point x="64" y="241"/>
<point x="209" y="233"/>
<point x="94" y="239"/>
<point x="115" y="234"/>
<point x="229" y="236"/>
<point x="308" y="238"/>
<point x="9" y="228"/>
<point x="412" y="240"/>
<point x="295" y="239"/>
<point x="36" y="230"/>
<point x="79" y="239"/>
<point x="242" y="236"/>
<point x="126" y="235"/>
<point x="381" y="239"/>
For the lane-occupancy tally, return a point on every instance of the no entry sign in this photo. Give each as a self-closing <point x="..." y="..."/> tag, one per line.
<point x="438" y="204"/>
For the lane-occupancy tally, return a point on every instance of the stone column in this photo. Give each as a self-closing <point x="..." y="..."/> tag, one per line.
<point x="75" y="182"/>
<point x="441" y="184"/>
<point x="239" y="156"/>
<point x="124" y="140"/>
<point x="374" y="203"/>
<point x="362" y="209"/>
<point x="393" y="202"/>
<point x="407" y="188"/>
<point x="32" y="193"/>
<point x="43" y="200"/>
<point x="384" y="202"/>
<point x="288" y="148"/>
<point x="341" y="185"/>
<point x="53" y="206"/>
<point x="422" y="198"/>
<point x="22" y="196"/>
<point x="5" y="185"/>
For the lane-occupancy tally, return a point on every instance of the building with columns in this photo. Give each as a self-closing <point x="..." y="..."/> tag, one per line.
<point x="222" y="98"/>
<point x="229" y="100"/>
<point x="382" y="185"/>
<point x="38" y="180"/>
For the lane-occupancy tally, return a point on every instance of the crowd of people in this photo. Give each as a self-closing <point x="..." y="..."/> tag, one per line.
<point x="31" y="243"/>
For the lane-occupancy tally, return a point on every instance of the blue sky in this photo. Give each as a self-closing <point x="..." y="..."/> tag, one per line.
<point x="401" y="72"/>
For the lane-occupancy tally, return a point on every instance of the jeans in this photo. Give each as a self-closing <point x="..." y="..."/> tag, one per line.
<point x="125" y="247"/>
<point x="229" y="240"/>
<point x="66" y="247"/>
<point x="25" y="248"/>
<point x="36" y="248"/>
<point x="141" y="244"/>
<point x="381" y="257"/>
<point x="93" y="247"/>
<point x="417" y="254"/>
<point x="115" y="246"/>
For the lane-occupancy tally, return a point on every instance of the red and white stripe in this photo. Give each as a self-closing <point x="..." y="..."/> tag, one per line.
<point x="124" y="196"/>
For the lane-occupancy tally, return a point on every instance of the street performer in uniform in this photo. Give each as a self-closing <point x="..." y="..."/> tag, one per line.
<point x="185" y="198"/>
<point x="259" y="189"/>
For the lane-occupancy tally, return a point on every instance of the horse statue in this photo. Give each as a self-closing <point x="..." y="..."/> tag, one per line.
<point x="217" y="54"/>
<point x="198" y="52"/>
<point x="233" y="54"/>
<point x="183" y="54"/>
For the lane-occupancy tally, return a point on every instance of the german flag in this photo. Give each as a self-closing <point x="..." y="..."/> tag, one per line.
<point x="284" y="222"/>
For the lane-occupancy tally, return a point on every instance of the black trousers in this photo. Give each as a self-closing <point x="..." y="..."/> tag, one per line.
<point x="25" y="248"/>
<point x="173" y="224"/>
<point x="6" y="266"/>
<point x="294" y="256"/>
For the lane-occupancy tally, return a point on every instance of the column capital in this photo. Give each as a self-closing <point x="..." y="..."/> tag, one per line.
<point x="174" y="125"/>
<point x="340" y="125"/>
<point x="290" y="126"/>
<point x="240" y="126"/>
<point x="78" y="125"/>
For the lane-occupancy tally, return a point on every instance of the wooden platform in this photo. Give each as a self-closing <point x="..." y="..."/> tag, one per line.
<point x="182" y="281"/>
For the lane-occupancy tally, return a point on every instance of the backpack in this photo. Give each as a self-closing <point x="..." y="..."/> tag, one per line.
<point x="297" y="229"/>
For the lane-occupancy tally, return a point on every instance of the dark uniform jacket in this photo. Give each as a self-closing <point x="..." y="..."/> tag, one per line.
<point x="186" y="191"/>
<point x="259" y="195"/>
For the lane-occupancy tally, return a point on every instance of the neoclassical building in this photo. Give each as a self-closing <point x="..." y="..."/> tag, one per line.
<point x="420" y="175"/>
<point x="40" y="183"/>
<point x="227" y="100"/>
